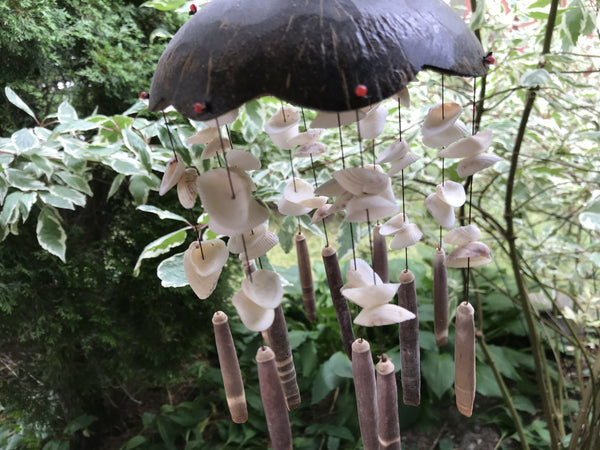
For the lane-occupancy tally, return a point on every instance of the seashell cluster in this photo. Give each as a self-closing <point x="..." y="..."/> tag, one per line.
<point x="405" y="234"/>
<point x="299" y="198"/>
<point x="470" y="252"/>
<point x="256" y="301"/>
<point x="282" y="128"/>
<point x="441" y="203"/>
<point x="365" y="288"/>
<point x="442" y="126"/>
<point x="471" y="151"/>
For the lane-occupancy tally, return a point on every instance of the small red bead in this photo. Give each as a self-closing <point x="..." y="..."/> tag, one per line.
<point x="361" y="90"/>
<point x="193" y="9"/>
<point x="489" y="59"/>
<point x="144" y="95"/>
<point x="200" y="108"/>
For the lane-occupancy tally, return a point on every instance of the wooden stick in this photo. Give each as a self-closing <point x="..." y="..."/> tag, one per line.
<point x="306" y="280"/>
<point x="409" y="341"/>
<point x="388" y="427"/>
<point x="380" y="256"/>
<point x="464" y="359"/>
<point x="230" y="369"/>
<point x="278" y="421"/>
<point x="366" y="393"/>
<point x="340" y="304"/>
<point x="440" y="297"/>
<point x="277" y="337"/>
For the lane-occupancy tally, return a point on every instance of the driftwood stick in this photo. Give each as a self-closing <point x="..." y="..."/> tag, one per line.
<point x="464" y="359"/>
<point x="278" y="421"/>
<point x="380" y="256"/>
<point x="388" y="427"/>
<point x="366" y="393"/>
<point x="340" y="304"/>
<point x="409" y="341"/>
<point x="230" y="369"/>
<point x="306" y="280"/>
<point x="440" y="297"/>
<point x="278" y="339"/>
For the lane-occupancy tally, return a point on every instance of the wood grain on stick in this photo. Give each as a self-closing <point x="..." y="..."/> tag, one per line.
<point x="278" y="339"/>
<point x="388" y="427"/>
<point x="271" y="393"/>
<point x="230" y="369"/>
<point x="366" y="393"/>
<point x="306" y="280"/>
<point x="380" y="256"/>
<point x="464" y="359"/>
<point x="440" y="297"/>
<point x="340" y="304"/>
<point x="409" y="341"/>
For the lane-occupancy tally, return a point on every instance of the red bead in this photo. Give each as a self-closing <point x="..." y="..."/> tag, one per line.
<point x="361" y="90"/>
<point x="193" y="9"/>
<point x="490" y="60"/>
<point x="144" y="95"/>
<point x="200" y="108"/>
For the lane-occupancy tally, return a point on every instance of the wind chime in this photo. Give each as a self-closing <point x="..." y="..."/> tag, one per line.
<point x="341" y="58"/>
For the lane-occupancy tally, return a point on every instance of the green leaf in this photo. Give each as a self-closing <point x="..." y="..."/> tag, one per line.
<point x="524" y="404"/>
<point x="486" y="382"/>
<point x="138" y="146"/>
<point x="80" y="423"/>
<point x="574" y="21"/>
<point x="10" y="208"/>
<point x="23" y="180"/>
<point x="162" y="213"/>
<point x="327" y="378"/>
<point x="127" y="166"/>
<point x="24" y="139"/>
<point x="438" y="371"/>
<point x="504" y="362"/>
<point x="590" y="220"/>
<point x="115" y="185"/>
<point x="540" y="4"/>
<point x="135" y="442"/>
<point x="26" y="202"/>
<point x="69" y="194"/>
<point x="43" y="164"/>
<point x="77" y="182"/>
<point x="535" y="78"/>
<point x="50" y="233"/>
<point x="56" y="201"/>
<point x="16" y="100"/>
<point x="170" y="272"/>
<point x="478" y="17"/>
<point x="160" y="246"/>
<point x="330" y="430"/>
<point x="139" y="187"/>
<point x="66" y="113"/>
<point x="164" y="5"/>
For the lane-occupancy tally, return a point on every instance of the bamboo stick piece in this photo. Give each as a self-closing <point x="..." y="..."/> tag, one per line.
<point x="278" y="421"/>
<point x="340" y="304"/>
<point x="306" y="280"/>
<point x="380" y="256"/>
<point x="464" y="359"/>
<point x="230" y="369"/>
<point x="278" y="339"/>
<point x="388" y="426"/>
<point x="409" y="341"/>
<point x="366" y="393"/>
<point x="440" y="297"/>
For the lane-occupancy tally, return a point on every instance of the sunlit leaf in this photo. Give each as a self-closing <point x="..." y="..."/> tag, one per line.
<point x="164" y="5"/>
<point x="16" y="100"/>
<point x="23" y="180"/>
<point x="24" y="139"/>
<point x="66" y="113"/>
<point x="163" y="214"/>
<point x="170" y="272"/>
<point x="438" y="371"/>
<point x="590" y="220"/>
<point x="160" y="246"/>
<point x="50" y="233"/>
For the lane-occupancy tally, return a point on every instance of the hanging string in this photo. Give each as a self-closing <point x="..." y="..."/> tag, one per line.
<point x="443" y="160"/>
<point x="225" y="159"/>
<point x="370" y="243"/>
<point x="246" y="257"/>
<point x="403" y="190"/>
<point x="470" y="182"/>
<point x="170" y="136"/>
<point x="341" y="140"/>
<point x="360" y="150"/>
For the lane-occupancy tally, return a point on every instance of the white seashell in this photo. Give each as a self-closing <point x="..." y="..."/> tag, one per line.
<point x="366" y="296"/>
<point x="462" y="235"/>
<point x="446" y="137"/>
<point x="285" y="118"/>
<point x="377" y="206"/>
<point x="340" y="203"/>
<point x="468" y="146"/>
<point x="203" y="136"/>
<point x="208" y="257"/>
<point x="259" y="248"/>
<point x="314" y="202"/>
<point x="470" y="255"/>
<point x="187" y="190"/>
<point x="393" y="152"/>
<point x="407" y="237"/>
<point x="306" y="137"/>
<point x="243" y="160"/>
<point x="362" y="180"/>
<point x="264" y="288"/>
<point x="288" y="208"/>
<point x="403" y="163"/>
<point x="373" y="124"/>
<point x="202" y="285"/>
<point x="440" y="117"/>
<point x="474" y="164"/>
<point x="442" y="212"/>
<point x="360" y="274"/>
<point x="236" y="244"/>
<point x="224" y="119"/>
<point x="173" y="172"/>
<point x="331" y="188"/>
<point x="394" y="225"/>
<point x="320" y="214"/>
<point x="387" y="314"/>
<point x="297" y="190"/>
<point x="254" y="317"/>
<point x="216" y="146"/>
<point x="325" y="119"/>
<point x="282" y="140"/>
<point x="310" y="149"/>
<point x="403" y="97"/>
<point x="452" y="193"/>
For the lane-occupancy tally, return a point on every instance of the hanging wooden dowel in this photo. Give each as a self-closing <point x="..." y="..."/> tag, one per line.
<point x="340" y="304"/>
<point x="306" y="280"/>
<point x="271" y="393"/>
<point x="464" y="359"/>
<point x="278" y="339"/>
<point x="409" y="341"/>
<point x="366" y="393"/>
<point x="440" y="297"/>
<point x="230" y="369"/>
<point x="388" y="427"/>
<point x="380" y="256"/>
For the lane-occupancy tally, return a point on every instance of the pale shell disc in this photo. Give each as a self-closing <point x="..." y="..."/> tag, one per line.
<point x="474" y="164"/>
<point x="452" y="193"/>
<point x="394" y="225"/>
<point x="367" y="296"/>
<point x="325" y="119"/>
<point x="314" y="202"/>
<point x="403" y="97"/>
<point x="393" y="152"/>
<point x="468" y="146"/>
<point x="403" y="163"/>
<point x="209" y="256"/>
<point x="284" y="119"/>
<point x="306" y="137"/>
<point x="264" y="288"/>
<point x="373" y="124"/>
<point x="462" y="235"/>
<point x="320" y="214"/>
<point x="442" y="212"/>
<point x="472" y="254"/>
<point x="362" y="180"/>
<point x="261" y="246"/>
<point x="284" y="138"/>
<point x="340" y="203"/>
<point x="214" y="147"/>
<point x="443" y="139"/>
<point x="187" y="189"/>
<point x="359" y="274"/>
<point x="254" y="317"/>
<point x="331" y="188"/>
<point x="407" y="237"/>
<point x="440" y="117"/>
<point x="224" y="119"/>
<point x="250" y="237"/>
<point x="242" y="159"/>
<point x="310" y="149"/>
<point x="387" y="314"/>
<point x="297" y="190"/>
<point x="203" y="136"/>
<point x="288" y="208"/>
<point x="368" y="208"/>
<point x="202" y="286"/>
<point x="173" y="172"/>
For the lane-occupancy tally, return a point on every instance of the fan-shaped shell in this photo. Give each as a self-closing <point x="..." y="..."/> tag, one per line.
<point x="208" y="257"/>
<point x="173" y="172"/>
<point x="340" y="203"/>
<point x="394" y="225"/>
<point x="306" y="137"/>
<point x="264" y="288"/>
<point x="403" y="163"/>
<point x="242" y="159"/>
<point x="393" y="152"/>
<point x="254" y="317"/>
<point x="474" y="164"/>
<point x="470" y="255"/>
<point x="187" y="190"/>
<point x="203" y="136"/>
<point x="285" y="118"/>
<point x="452" y="193"/>
<point x="314" y="202"/>
<point x="325" y="119"/>
<point x="407" y="237"/>
<point x="440" y="117"/>
<point x="362" y="180"/>
<point x="442" y="212"/>
<point x="373" y="124"/>
<point x="297" y="190"/>
<point x="387" y="314"/>
<point x="403" y="97"/>
<point x="320" y="214"/>
<point x="462" y="235"/>
<point x="223" y="118"/>
<point x="359" y="274"/>
<point x="261" y="246"/>
<point x="288" y="208"/>
<point x="236" y="243"/>
<point x="468" y="146"/>
<point x="202" y="286"/>
<point x="377" y="206"/>
<point x="366" y="296"/>
<point x="310" y="149"/>
<point x="216" y="146"/>
<point x="331" y="188"/>
<point x="446" y="137"/>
